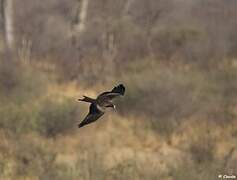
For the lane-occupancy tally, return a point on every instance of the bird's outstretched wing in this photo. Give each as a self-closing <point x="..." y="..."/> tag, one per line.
<point x="92" y="116"/>
<point x="115" y="92"/>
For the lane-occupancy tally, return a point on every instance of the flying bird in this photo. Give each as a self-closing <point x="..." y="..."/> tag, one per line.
<point x="99" y="105"/>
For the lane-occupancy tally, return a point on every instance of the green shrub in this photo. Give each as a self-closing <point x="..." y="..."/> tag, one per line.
<point x="21" y="107"/>
<point x="162" y="96"/>
<point x="17" y="118"/>
<point x="20" y="83"/>
<point x="56" y="117"/>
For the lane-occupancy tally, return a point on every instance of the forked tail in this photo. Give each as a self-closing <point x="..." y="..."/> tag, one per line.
<point x="87" y="99"/>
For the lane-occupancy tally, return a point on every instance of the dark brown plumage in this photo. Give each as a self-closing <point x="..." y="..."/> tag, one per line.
<point x="98" y="105"/>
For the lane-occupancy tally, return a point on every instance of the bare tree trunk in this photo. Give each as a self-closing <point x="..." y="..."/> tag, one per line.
<point x="127" y="7"/>
<point x="1" y="13"/>
<point x="8" y="23"/>
<point x="1" y="25"/>
<point x="80" y="20"/>
<point x="83" y="15"/>
<point x="109" y="53"/>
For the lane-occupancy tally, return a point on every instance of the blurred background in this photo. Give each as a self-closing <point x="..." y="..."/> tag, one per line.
<point x="177" y="59"/>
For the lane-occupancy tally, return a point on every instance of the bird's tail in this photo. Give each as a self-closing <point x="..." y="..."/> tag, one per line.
<point x="80" y="125"/>
<point x="87" y="99"/>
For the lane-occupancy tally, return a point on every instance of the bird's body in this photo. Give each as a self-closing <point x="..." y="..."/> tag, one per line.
<point x="99" y="105"/>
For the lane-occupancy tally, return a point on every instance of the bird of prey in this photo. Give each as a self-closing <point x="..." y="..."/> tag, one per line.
<point x="98" y="105"/>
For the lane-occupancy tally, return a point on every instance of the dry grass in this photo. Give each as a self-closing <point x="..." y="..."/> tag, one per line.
<point x="141" y="140"/>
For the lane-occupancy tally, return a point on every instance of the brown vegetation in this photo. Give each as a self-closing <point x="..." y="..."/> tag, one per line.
<point x="177" y="120"/>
